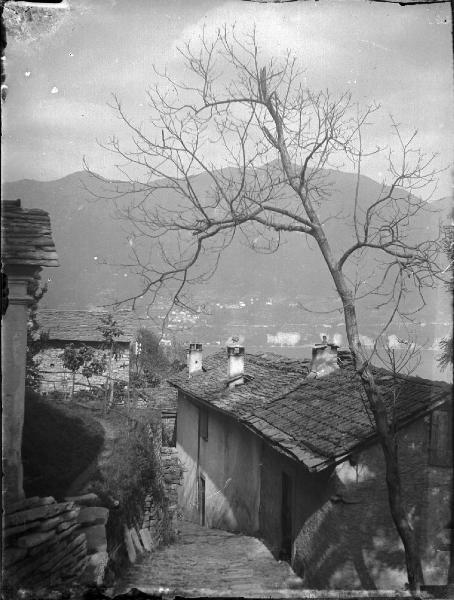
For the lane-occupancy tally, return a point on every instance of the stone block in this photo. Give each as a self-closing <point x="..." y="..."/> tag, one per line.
<point x="95" y="515"/>
<point x="40" y="512"/>
<point x="146" y="539"/>
<point x="21" y="570"/>
<point x="132" y="556"/>
<point x="136" y="541"/>
<point x="59" y="536"/>
<point x="18" y="529"/>
<point x="95" y="568"/>
<point x="57" y="558"/>
<point x="13" y="555"/>
<point x="90" y="499"/>
<point x="53" y="522"/>
<point x="29" y="540"/>
<point x="27" y="503"/>
<point x="96" y="538"/>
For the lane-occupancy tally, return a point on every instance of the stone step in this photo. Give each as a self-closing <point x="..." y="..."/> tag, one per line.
<point x="34" y="539"/>
<point x="18" y="529"/>
<point x="65" y="517"/>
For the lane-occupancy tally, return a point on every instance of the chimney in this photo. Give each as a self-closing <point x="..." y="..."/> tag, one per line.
<point x="194" y="358"/>
<point x="235" y="363"/>
<point x="324" y="358"/>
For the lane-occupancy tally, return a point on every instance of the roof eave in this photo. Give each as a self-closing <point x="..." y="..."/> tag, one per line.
<point x="371" y="440"/>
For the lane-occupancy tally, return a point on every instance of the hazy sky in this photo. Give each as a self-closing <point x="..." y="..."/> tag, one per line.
<point x="60" y="81"/>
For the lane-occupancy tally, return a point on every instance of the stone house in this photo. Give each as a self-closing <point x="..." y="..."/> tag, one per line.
<point x="81" y="327"/>
<point x="285" y="450"/>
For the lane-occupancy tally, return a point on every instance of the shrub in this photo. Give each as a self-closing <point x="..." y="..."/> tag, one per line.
<point x="132" y="470"/>
<point x="129" y="474"/>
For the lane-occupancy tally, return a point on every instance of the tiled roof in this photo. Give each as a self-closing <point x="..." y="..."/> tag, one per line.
<point x="82" y="325"/>
<point x="26" y="236"/>
<point x="314" y="420"/>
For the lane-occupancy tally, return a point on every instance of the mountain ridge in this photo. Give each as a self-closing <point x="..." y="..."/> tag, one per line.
<point x="86" y="232"/>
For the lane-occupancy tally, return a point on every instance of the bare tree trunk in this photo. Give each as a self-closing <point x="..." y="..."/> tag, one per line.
<point x="385" y="432"/>
<point x="109" y="390"/>
<point x="451" y="542"/>
<point x="388" y="444"/>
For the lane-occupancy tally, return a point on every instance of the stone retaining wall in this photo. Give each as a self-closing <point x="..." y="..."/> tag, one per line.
<point x="43" y="543"/>
<point x="172" y="474"/>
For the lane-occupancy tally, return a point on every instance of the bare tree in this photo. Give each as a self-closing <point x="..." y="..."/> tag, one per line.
<point x="275" y="141"/>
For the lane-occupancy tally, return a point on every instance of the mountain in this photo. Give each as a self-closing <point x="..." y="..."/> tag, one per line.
<point x="88" y="233"/>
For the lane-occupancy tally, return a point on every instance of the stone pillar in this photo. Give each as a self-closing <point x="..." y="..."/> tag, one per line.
<point x="14" y="346"/>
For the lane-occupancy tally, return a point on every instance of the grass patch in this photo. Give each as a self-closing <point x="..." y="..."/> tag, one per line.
<point x="57" y="445"/>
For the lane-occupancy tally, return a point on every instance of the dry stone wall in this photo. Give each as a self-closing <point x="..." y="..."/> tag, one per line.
<point x="158" y="520"/>
<point x="48" y="543"/>
<point x="43" y="543"/>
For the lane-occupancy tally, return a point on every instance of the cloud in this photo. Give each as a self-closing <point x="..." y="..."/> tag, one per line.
<point x="397" y="57"/>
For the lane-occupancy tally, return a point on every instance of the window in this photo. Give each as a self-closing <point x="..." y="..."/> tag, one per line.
<point x="440" y="450"/>
<point x="203" y="424"/>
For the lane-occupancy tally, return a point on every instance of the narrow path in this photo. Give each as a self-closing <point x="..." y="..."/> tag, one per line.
<point x="209" y="559"/>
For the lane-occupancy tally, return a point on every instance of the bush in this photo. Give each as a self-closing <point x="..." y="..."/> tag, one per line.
<point x="57" y="445"/>
<point x="129" y="474"/>
<point x="132" y="470"/>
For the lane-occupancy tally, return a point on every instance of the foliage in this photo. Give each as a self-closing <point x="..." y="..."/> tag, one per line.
<point x="149" y="362"/>
<point x="446" y="357"/>
<point x="57" y="445"/>
<point x="72" y="358"/>
<point x="110" y="331"/>
<point x="35" y="341"/>
<point x="83" y="358"/>
<point x="93" y="365"/>
<point x="132" y="470"/>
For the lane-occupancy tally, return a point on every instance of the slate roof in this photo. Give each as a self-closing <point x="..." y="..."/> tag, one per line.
<point x="271" y="376"/>
<point x="26" y="236"/>
<point x="316" y="421"/>
<point x="164" y="396"/>
<point x="81" y="325"/>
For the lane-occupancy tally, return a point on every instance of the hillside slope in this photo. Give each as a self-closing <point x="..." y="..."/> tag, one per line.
<point x="88" y="234"/>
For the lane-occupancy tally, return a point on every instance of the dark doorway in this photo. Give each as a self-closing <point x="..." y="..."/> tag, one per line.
<point x="286" y="518"/>
<point x="202" y="500"/>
